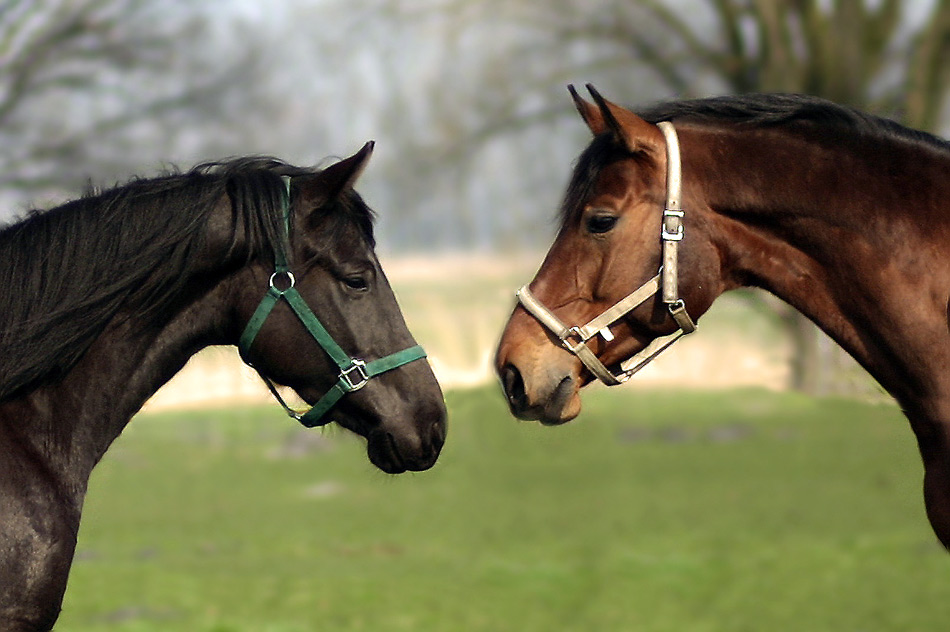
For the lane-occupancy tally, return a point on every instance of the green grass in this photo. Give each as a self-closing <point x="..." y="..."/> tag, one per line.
<point x="742" y="510"/>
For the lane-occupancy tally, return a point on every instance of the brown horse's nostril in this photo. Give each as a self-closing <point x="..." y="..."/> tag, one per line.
<point x="513" y="384"/>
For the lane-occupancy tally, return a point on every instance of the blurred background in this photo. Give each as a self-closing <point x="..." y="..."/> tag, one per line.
<point x="476" y="135"/>
<point x="467" y="100"/>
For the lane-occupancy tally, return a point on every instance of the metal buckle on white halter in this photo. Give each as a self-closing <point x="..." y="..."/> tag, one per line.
<point x="575" y="339"/>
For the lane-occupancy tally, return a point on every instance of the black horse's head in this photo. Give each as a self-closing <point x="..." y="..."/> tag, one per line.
<point x="336" y="275"/>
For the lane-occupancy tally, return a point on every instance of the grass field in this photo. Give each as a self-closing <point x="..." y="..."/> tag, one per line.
<point x="726" y="511"/>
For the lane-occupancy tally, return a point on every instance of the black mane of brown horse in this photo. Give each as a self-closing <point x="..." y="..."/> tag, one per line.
<point x="765" y="110"/>
<point x="844" y="215"/>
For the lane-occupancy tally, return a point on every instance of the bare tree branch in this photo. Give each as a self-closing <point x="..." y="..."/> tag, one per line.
<point x="77" y="75"/>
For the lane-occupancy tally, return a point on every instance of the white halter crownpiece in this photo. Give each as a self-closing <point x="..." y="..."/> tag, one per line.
<point x="575" y="339"/>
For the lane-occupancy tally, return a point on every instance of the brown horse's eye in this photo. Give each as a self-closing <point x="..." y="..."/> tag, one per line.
<point x="598" y="224"/>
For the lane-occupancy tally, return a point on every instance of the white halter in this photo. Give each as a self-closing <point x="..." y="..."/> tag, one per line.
<point x="575" y="339"/>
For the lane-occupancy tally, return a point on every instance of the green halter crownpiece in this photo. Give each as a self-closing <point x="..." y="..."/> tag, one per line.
<point x="354" y="373"/>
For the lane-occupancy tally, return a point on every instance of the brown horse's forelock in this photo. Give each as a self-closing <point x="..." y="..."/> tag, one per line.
<point x="602" y="151"/>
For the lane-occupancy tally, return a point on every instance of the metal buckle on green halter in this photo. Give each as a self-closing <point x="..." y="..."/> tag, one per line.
<point x="354" y="372"/>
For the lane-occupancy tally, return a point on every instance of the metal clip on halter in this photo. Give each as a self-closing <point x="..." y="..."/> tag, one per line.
<point x="672" y="225"/>
<point x="358" y="367"/>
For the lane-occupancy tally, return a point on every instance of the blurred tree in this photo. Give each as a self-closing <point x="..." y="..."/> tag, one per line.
<point x="92" y="88"/>
<point x="888" y="56"/>
<point x="885" y="56"/>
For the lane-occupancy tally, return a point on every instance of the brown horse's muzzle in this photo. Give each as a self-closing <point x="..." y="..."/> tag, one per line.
<point x="541" y="379"/>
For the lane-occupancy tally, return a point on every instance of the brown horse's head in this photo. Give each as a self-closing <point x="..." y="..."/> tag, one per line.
<point x="608" y="246"/>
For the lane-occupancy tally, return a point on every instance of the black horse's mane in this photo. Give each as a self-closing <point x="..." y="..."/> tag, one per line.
<point x="750" y="111"/>
<point x="68" y="271"/>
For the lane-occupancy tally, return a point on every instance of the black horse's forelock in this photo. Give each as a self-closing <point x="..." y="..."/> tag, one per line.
<point x="71" y="270"/>
<point x="749" y="111"/>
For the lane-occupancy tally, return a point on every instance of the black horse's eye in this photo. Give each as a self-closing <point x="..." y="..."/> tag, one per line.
<point x="356" y="283"/>
<point x="598" y="224"/>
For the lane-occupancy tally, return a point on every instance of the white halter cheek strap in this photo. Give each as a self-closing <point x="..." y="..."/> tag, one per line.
<point x="575" y="339"/>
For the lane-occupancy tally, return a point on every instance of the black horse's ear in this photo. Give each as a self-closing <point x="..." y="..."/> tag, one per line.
<point x="338" y="177"/>
<point x="628" y="128"/>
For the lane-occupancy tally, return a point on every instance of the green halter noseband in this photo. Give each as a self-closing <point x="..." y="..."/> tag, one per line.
<point x="354" y="373"/>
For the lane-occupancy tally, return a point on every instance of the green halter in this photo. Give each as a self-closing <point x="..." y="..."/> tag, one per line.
<point x="354" y="373"/>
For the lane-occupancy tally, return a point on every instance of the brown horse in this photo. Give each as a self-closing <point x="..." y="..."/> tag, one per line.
<point x="105" y="298"/>
<point x="843" y="215"/>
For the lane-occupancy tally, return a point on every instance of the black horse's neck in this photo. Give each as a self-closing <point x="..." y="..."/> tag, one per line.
<point x="134" y="282"/>
<point x="71" y="421"/>
<point x="131" y="251"/>
<point x="52" y="436"/>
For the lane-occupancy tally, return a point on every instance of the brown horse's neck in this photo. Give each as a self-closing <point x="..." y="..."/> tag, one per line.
<point x="851" y="232"/>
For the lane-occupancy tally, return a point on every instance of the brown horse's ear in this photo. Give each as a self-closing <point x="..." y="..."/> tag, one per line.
<point x="628" y="128"/>
<point x="589" y="112"/>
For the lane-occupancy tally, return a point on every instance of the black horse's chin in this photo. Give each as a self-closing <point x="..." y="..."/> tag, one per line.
<point x="383" y="453"/>
<point x="395" y="453"/>
<point x="395" y="449"/>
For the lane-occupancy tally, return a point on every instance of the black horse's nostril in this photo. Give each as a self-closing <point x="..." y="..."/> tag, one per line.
<point x="437" y="435"/>
<point x="513" y="384"/>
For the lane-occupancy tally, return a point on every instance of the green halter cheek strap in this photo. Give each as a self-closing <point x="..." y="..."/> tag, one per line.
<point x="354" y="373"/>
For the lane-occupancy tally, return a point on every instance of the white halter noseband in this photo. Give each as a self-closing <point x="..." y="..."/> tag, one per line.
<point x="575" y="339"/>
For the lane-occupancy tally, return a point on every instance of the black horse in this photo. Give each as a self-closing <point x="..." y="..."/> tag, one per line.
<point x="105" y="298"/>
